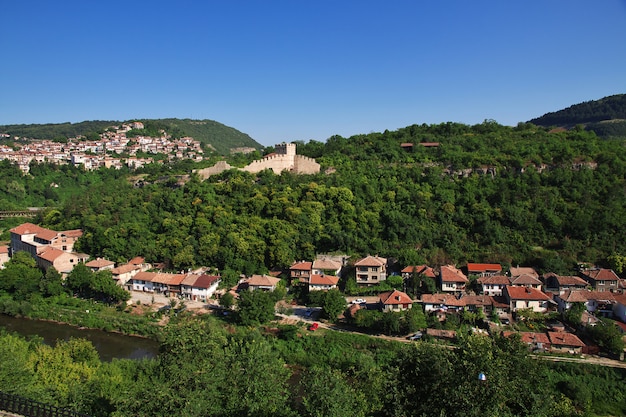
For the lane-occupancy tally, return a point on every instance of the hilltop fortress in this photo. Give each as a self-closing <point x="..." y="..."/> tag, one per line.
<point x="283" y="159"/>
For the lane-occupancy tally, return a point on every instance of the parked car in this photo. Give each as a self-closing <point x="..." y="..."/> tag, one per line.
<point x="416" y="336"/>
<point x="359" y="301"/>
<point x="313" y="327"/>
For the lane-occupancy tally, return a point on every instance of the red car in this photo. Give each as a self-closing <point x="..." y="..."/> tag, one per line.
<point x="314" y="327"/>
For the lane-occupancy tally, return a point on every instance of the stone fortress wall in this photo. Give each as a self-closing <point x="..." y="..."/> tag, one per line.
<point x="284" y="159"/>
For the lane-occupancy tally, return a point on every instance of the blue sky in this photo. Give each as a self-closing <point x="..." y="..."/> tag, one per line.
<point x="293" y="70"/>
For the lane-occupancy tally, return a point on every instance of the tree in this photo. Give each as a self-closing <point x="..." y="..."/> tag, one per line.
<point x="255" y="307"/>
<point x="227" y="300"/>
<point x="52" y="283"/>
<point x="333" y="304"/>
<point x="327" y="393"/>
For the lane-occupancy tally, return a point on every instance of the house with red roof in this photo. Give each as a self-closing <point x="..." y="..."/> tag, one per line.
<point x="260" y="282"/>
<point x="35" y="239"/>
<point x="564" y="342"/>
<point x="300" y="271"/>
<point x="441" y="301"/>
<point x="516" y="271"/>
<point x="321" y="282"/>
<point x="601" y="279"/>
<point x="560" y="284"/>
<point x="494" y="284"/>
<point x="424" y="270"/>
<point x="520" y="298"/>
<point x="62" y="261"/>
<point x="199" y="287"/>
<point x="100" y="264"/>
<point x="142" y="281"/>
<point x="326" y="266"/>
<point x="536" y="342"/>
<point x="452" y="280"/>
<point x="394" y="301"/>
<point x="123" y="273"/>
<point x="483" y="270"/>
<point x="597" y="302"/>
<point x="370" y="270"/>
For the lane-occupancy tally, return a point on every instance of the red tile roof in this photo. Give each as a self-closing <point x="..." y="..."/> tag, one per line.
<point x="123" y="269"/>
<point x="472" y="267"/>
<point x="394" y="297"/>
<point x="601" y="274"/>
<point x="451" y="274"/>
<point x="51" y="254"/>
<point x="442" y="299"/>
<point x="76" y="233"/>
<point x="525" y="279"/>
<point x="371" y="261"/>
<point x="302" y="266"/>
<point x="206" y="281"/>
<point x="326" y="264"/>
<point x="99" y="263"/>
<point x="47" y="234"/>
<point x="145" y="276"/>
<point x="530" y="337"/>
<point x="516" y="271"/>
<point x="525" y="293"/>
<point x="495" y="280"/>
<point x="4" y="249"/>
<point x="27" y="229"/>
<point x="317" y="279"/>
<point x="570" y="280"/>
<point x="565" y="339"/>
<point x="262" y="281"/>
<point x="419" y="269"/>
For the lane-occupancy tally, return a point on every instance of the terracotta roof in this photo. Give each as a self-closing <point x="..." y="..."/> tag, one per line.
<point x="317" y="279"/>
<point x="99" y="263"/>
<point x="302" y="266"/>
<point x="123" y="269"/>
<point x="620" y="298"/>
<point x="450" y="274"/>
<point x="145" y="276"/>
<point x="442" y="299"/>
<point x="472" y="267"/>
<point x="525" y="279"/>
<point x="51" y="254"/>
<point x="72" y="233"/>
<point x="477" y="300"/>
<point x="495" y="280"/>
<point x="262" y="281"/>
<point x="326" y="264"/>
<point x="419" y="269"/>
<point x="525" y="293"/>
<point x="4" y="249"/>
<point x="600" y="296"/>
<point x="137" y="260"/>
<point x="371" y="261"/>
<point x="530" y="337"/>
<point x="394" y="297"/>
<point x="516" y="271"/>
<point x="601" y="274"/>
<point x="573" y="296"/>
<point x="564" y="339"/>
<point x="27" y="229"/>
<point x="570" y="280"/>
<point x="205" y="281"/>
<point x="47" y="234"/>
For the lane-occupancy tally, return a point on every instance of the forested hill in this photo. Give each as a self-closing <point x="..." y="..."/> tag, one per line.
<point x="606" y="117"/>
<point x="220" y="137"/>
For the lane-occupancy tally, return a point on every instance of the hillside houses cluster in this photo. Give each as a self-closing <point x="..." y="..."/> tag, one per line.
<point x="94" y="154"/>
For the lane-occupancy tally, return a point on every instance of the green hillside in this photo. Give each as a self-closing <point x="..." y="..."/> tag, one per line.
<point x="216" y="135"/>
<point x="606" y="117"/>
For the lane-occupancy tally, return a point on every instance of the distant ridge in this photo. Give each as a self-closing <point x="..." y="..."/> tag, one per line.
<point x="606" y="116"/>
<point x="214" y="135"/>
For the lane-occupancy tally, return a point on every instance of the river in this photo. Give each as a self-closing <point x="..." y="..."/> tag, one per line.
<point x="109" y="345"/>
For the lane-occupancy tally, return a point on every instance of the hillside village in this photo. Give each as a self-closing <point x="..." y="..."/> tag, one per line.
<point x="484" y="292"/>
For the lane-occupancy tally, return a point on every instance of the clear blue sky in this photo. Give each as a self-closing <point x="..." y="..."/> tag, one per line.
<point x="282" y="70"/>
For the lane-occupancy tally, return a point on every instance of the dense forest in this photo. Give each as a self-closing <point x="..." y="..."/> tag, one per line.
<point x="606" y="117"/>
<point x="487" y="193"/>
<point x="216" y="136"/>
